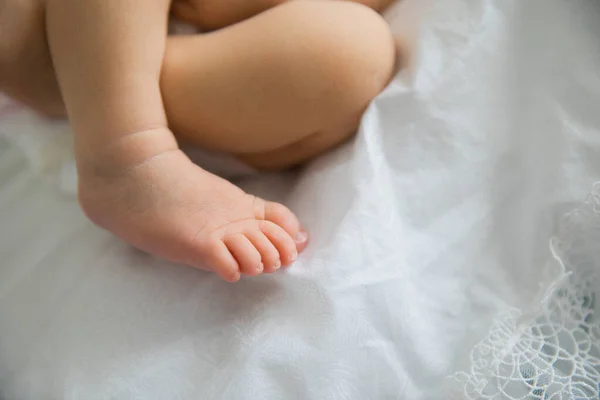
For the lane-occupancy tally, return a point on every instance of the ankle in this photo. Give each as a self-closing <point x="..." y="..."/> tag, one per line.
<point x="111" y="158"/>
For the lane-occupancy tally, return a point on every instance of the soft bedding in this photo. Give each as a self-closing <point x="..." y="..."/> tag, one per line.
<point x="452" y="251"/>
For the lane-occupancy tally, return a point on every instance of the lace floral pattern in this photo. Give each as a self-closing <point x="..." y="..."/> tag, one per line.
<point x="557" y="356"/>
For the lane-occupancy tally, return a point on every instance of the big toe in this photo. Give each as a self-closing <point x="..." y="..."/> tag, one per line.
<point x="282" y="216"/>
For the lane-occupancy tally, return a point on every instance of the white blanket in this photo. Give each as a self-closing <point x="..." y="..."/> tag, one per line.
<point x="429" y="232"/>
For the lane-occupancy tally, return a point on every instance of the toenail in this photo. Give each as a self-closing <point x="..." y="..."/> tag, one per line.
<point x="301" y="237"/>
<point x="294" y="256"/>
<point x="277" y="265"/>
<point x="260" y="267"/>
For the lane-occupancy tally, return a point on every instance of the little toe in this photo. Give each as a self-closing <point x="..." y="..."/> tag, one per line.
<point x="222" y="262"/>
<point x="247" y="256"/>
<point x="301" y="240"/>
<point x="282" y="216"/>
<point x="283" y="242"/>
<point x="268" y="251"/>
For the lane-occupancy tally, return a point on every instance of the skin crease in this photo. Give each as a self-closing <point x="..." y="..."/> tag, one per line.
<point x="288" y="98"/>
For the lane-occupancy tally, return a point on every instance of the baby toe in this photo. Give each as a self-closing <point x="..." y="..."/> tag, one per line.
<point x="282" y="216"/>
<point x="247" y="256"/>
<point x="285" y="245"/>
<point x="268" y="251"/>
<point x="222" y="262"/>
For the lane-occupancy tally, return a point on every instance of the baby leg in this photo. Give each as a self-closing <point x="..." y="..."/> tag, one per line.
<point x="133" y="179"/>
<point x="296" y="77"/>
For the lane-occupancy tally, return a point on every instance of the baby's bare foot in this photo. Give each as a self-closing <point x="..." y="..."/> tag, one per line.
<point x="173" y="209"/>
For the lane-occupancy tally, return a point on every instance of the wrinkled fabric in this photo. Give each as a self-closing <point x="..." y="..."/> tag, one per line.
<point x="432" y="222"/>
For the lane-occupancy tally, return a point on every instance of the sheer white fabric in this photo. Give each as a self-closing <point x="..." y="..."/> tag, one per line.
<point x="553" y="352"/>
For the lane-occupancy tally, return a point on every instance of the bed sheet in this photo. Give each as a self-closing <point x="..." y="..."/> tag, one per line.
<point x="430" y="235"/>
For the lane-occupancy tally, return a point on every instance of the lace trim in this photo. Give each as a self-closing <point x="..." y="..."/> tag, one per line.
<point x="555" y="355"/>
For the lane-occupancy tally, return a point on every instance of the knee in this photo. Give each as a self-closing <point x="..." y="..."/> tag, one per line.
<point x="348" y="50"/>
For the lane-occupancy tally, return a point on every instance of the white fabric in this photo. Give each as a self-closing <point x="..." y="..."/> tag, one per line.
<point x="430" y="233"/>
<point x="554" y="351"/>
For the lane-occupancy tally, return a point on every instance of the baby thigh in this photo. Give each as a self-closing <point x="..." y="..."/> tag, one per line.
<point x="294" y="71"/>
